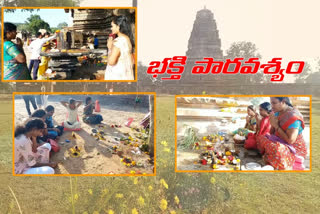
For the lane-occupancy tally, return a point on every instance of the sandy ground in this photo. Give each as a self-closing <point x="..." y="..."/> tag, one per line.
<point x="95" y="156"/>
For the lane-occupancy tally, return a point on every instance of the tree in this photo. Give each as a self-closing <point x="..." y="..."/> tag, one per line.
<point x="62" y="25"/>
<point x="35" y="23"/>
<point x="244" y="50"/>
<point x="302" y="78"/>
<point x="41" y="3"/>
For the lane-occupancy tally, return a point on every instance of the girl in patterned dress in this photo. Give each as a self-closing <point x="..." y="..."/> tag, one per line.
<point x="30" y="157"/>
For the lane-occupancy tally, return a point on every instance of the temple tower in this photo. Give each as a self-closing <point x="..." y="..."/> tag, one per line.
<point x="204" y="40"/>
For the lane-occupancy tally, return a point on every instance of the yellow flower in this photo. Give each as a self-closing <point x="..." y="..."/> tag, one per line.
<point x="135" y="211"/>
<point x="213" y="180"/>
<point x="164" y="143"/>
<point x="204" y="138"/>
<point x="133" y="163"/>
<point x="141" y="201"/>
<point x="135" y="181"/>
<point x="172" y="212"/>
<point x="90" y="191"/>
<point x="166" y="150"/>
<point x="163" y="204"/>
<point x="85" y="212"/>
<point x="176" y="199"/>
<point x="132" y="172"/>
<point x="105" y="191"/>
<point x="110" y="212"/>
<point x="164" y="183"/>
<point x="150" y="187"/>
<point x="119" y="195"/>
<point x="76" y="196"/>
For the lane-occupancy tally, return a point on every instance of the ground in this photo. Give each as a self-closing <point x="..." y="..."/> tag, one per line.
<point x="96" y="157"/>
<point x="188" y="159"/>
<point x="220" y="192"/>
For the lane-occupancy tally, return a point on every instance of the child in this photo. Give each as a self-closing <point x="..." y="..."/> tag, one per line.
<point x="72" y="117"/>
<point x="53" y="131"/>
<point x="88" y="116"/>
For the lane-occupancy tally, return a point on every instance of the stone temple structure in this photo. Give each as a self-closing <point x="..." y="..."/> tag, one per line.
<point x="204" y="41"/>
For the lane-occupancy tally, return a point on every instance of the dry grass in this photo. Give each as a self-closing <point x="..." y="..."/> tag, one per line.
<point x="197" y="192"/>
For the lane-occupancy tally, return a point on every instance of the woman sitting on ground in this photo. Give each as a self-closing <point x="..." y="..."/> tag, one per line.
<point x="286" y="142"/>
<point x="72" y="121"/>
<point x="88" y="116"/>
<point x="251" y="123"/>
<point x="263" y="125"/>
<point x="30" y="157"/>
<point x="41" y="114"/>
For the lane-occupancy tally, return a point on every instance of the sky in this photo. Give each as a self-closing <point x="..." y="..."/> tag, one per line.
<point x="51" y="16"/>
<point x="286" y="28"/>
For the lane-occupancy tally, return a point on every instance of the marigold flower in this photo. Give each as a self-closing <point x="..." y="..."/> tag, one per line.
<point x="134" y="211"/>
<point x="163" y="204"/>
<point x="119" y="195"/>
<point x="213" y="180"/>
<point x="176" y="199"/>
<point x="141" y="201"/>
<point x="164" y="143"/>
<point x="150" y="187"/>
<point x="90" y="191"/>
<point x="164" y="183"/>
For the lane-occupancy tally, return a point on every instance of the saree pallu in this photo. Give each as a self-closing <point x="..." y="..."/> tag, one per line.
<point x="278" y="154"/>
<point x="12" y="69"/>
<point x="15" y="71"/>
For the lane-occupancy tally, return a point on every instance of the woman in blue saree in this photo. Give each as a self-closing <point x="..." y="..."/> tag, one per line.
<point x="15" y="66"/>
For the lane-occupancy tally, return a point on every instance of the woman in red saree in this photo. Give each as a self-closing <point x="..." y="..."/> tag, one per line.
<point x="263" y="125"/>
<point x="286" y="141"/>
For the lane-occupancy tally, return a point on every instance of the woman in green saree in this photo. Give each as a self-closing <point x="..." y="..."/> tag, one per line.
<point x="15" y="66"/>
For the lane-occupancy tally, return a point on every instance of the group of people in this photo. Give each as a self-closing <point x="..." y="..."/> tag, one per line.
<point x="15" y="60"/>
<point x="120" y="53"/>
<point x="278" y="131"/>
<point x="35" y="139"/>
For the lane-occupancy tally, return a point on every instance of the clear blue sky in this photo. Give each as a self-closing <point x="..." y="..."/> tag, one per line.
<point x="51" y="16"/>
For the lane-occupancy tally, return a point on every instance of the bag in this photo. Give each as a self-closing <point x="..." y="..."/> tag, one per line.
<point x="251" y="142"/>
<point x="54" y="145"/>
